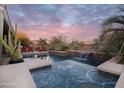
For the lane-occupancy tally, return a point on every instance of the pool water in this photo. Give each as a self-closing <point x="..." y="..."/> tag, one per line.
<point x="72" y="73"/>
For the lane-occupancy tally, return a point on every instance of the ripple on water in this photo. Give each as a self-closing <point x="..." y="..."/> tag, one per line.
<point x="103" y="79"/>
<point x="72" y="74"/>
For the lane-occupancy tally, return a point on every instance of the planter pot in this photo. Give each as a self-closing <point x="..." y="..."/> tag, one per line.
<point x="16" y="61"/>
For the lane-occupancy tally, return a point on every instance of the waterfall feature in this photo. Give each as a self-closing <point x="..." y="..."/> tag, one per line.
<point x="84" y="56"/>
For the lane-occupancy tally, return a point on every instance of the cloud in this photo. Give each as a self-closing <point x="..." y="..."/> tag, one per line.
<point x="72" y="32"/>
<point x="45" y="20"/>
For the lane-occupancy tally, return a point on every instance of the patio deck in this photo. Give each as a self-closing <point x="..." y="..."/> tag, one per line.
<point x="18" y="75"/>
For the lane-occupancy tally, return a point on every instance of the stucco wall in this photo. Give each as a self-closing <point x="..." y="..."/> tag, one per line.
<point x="4" y="16"/>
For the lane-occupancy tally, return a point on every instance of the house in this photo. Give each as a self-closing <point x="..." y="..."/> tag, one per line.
<point x="5" y="27"/>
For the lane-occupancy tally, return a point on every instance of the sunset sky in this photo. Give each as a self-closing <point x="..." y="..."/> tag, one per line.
<point x="81" y="22"/>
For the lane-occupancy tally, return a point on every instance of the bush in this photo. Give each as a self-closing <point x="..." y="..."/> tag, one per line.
<point x="23" y="38"/>
<point x="64" y="48"/>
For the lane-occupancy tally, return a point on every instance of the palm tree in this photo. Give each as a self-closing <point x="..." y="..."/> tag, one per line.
<point x="114" y="29"/>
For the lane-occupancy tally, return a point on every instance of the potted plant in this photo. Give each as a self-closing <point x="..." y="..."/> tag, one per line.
<point x="13" y="50"/>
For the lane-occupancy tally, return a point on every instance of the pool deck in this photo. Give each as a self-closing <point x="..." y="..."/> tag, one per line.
<point x="112" y="66"/>
<point x="34" y="53"/>
<point x="37" y="63"/>
<point x="18" y="75"/>
<point x="120" y="82"/>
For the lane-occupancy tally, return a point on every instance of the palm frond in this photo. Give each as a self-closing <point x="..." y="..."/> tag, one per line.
<point x="116" y="19"/>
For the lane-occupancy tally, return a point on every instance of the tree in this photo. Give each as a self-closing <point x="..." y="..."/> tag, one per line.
<point x="96" y="44"/>
<point x="76" y="45"/>
<point x="23" y="38"/>
<point x="42" y="42"/>
<point x="113" y="33"/>
<point x="57" y="42"/>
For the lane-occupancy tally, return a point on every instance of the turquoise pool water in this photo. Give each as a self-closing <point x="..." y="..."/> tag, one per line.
<point x="72" y="72"/>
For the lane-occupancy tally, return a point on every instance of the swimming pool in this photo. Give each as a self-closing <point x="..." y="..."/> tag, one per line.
<point x="72" y="72"/>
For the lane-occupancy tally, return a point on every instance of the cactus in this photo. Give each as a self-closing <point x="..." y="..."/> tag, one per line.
<point x="12" y="50"/>
<point x="17" y="52"/>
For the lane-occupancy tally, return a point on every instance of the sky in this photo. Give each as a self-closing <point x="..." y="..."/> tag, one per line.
<point x="75" y="21"/>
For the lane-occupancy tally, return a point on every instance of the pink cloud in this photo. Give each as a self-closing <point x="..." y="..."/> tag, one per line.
<point x="72" y="32"/>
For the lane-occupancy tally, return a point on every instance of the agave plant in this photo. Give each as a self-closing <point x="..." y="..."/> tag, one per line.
<point x="11" y="49"/>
